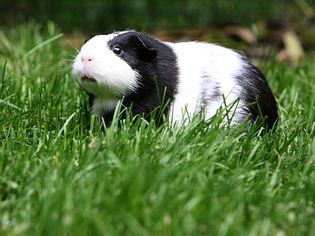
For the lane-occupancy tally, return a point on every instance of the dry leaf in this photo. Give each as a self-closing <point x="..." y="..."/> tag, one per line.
<point x="243" y="33"/>
<point x="293" y="50"/>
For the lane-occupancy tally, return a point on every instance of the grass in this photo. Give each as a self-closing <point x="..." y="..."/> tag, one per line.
<point x="59" y="176"/>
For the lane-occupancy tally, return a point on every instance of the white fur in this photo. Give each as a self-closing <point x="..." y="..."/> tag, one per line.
<point x="114" y="77"/>
<point x="100" y="105"/>
<point x="220" y="66"/>
<point x="196" y="62"/>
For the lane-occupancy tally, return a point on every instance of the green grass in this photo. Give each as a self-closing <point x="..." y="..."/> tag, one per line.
<point x="59" y="176"/>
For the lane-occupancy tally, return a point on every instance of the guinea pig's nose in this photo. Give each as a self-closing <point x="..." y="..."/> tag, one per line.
<point x="86" y="60"/>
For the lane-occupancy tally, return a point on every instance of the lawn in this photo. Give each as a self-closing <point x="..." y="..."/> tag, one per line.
<point x="61" y="173"/>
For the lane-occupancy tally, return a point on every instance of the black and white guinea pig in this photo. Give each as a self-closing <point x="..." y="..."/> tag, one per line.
<point x="193" y="76"/>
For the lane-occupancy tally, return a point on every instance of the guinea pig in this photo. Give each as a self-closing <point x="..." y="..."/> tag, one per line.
<point x="143" y="72"/>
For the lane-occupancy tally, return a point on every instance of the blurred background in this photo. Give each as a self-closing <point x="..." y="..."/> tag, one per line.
<point x="104" y="15"/>
<point x="258" y="27"/>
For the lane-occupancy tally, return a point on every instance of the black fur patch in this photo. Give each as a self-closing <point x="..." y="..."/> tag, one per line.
<point x="257" y="94"/>
<point x="209" y="95"/>
<point x="157" y="65"/>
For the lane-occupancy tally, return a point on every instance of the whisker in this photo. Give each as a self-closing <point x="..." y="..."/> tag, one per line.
<point x="69" y="55"/>
<point x="66" y="59"/>
<point x="75" y="49"/>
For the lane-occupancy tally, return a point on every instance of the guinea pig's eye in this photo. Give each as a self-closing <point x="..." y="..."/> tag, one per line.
<point x="117" y="49"/>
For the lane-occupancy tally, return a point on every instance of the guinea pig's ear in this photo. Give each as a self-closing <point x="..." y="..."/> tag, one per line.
<point x="144" y="52"/>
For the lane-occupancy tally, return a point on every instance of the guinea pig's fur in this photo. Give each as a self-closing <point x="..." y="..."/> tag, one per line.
<point x="144" y="72"/>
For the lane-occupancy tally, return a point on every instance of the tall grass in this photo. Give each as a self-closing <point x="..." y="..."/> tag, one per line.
<point x="61" y="176"/>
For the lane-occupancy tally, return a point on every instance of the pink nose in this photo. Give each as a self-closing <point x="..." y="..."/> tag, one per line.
<point x="86" y="60"/>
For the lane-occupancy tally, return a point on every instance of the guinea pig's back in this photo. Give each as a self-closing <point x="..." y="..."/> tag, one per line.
<point x="212" y="76"/>
<point x="206" y="78"/>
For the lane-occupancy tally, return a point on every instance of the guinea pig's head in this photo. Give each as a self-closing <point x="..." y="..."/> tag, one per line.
<point x="107" y="65"/>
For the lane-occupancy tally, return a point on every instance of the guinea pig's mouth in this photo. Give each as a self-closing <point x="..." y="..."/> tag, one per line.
<point x="88" y="79"/>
